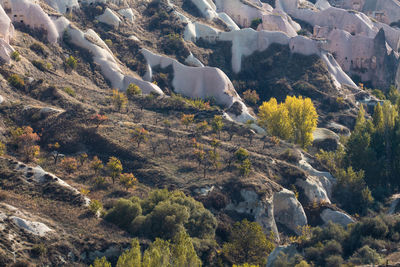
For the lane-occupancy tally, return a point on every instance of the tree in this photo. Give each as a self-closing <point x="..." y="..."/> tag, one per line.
<point x="187" y="119"/>
<point x="294" y="119"/>
<point x="217" y="125"/>
<point x="69" y="164"/>
<point x="303" y="117"/>
<point x="98" y="119"/>
<point x="133" y="90"/>
<point x="2" y="149"/>
<point x="101" y="263"/>
<point x="242" y="161"/>
<point x="26" y="140"/>
<point x="118" y="99"/>
<point x="96" y="165"/>
<point x="140" y="135"/>
<point x="55" y="153"/>
<point x="128" y="180"/>
<point x="131" y="257"/>
<point x="251" y="96"/>
<point x="247" y="244"/>
<point x="183" y="253"/>
<point x="275" y="119"/>
<point x="158" y="254"/>
<point x="114" y="168"/>
<point x="71" y="62"/>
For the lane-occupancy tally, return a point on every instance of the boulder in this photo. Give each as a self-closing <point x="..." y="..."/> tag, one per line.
<point x="109" y="18"/>
<point x="335" y="216"/>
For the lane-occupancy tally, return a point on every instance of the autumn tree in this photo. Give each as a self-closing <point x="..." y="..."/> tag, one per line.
<point x="69" y="164"/>
<point x="96" y="164"/>
<point x="128" y="180"/>
<point x="187" y="119"/>
<point x="251" y="96"/>
<point x="101" y="263"/>
<point x="2" y="149"/>
<point x="217" y="125"/>
<point x="26" y="140"/>
<point x="202" y="127"/>
<point x="56" y="153"/>
<point x="82" y="157"/>
<point x="119" y="99"/>
<point x="295" y="119"/>
<point x="98" y="119"/>
<point x="114" y="168"/>
<point x="133" y="90"/>
<point x="140" y="135"/>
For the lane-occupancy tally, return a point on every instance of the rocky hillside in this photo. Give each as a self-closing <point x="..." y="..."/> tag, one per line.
<point x="171" y="89"/>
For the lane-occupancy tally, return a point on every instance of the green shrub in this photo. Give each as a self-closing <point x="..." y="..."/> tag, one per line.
<point x="255" y="22"/>
<point x="71" y="62"/>
<point x="15" y="56"/>
<point x="16" y="81"/>
<point x="95" y="207"/>
<point x="365" y="255"/>
<point x="39" y="64"/>
<point x="334" y="261"/>
<point x="70" y="91"/>
<point x="108" y="42"/>
<point x="163" y="214"/>
<point x="39" y="250"/>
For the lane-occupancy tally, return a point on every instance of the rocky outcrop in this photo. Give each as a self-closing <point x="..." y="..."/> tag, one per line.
<point x="335" y="216"/>
<point x="198" y="82"/>
<point x="6" y="33"/>
<point x="109" y="18"/>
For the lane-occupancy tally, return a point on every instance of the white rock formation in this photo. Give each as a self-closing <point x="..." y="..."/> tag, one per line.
<point x="31" y="14"/>
<point x="63" y="6"/>
<point x="207" y="8"/>
<point x="6" y="33"/>
<point x="109" y="18"/>
<point x="198" y="82"/>
<point x="35" y="228"/>
<point x="282" y="207"/>
<point x="127" y="13"/>
<point x="288" y="211"/>
<point x="318" y="185"/>
<point x="193" y="61"/>
<point x="37" y="175"/>
<point x="103" y="56"/>
<point x="394" y="205"/>
<point x="329" y="215"/>
<point x="228" y="21"/>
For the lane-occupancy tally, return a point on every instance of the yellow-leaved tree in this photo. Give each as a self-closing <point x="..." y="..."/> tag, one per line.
<point x="295" y="119"/>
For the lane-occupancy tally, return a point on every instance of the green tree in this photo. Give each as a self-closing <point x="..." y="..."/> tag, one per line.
<point x="158" y="254"/>
<point x="101" y="263"/>
<point x="131" y="257"/>
<point x="183" y="253"/>
<point x="114" y="167"/>
<point x="217" y="125"/>
<point x="247" y="244"/>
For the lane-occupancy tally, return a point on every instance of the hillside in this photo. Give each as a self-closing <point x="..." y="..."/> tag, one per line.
<point x="104" y="103"/>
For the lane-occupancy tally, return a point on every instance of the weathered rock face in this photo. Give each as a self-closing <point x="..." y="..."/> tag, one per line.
<point x="63" y="6"/>
<point x="6" y="33"/>
<point x="281" y="207"/>
<point x="335" y="216"/>
<point x="199" y="82"/>
<point x="109" y="18"/>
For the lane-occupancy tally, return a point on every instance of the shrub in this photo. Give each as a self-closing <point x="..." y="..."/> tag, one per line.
<point x="38" y="49"/>
<point x="334" y="261"/>
<point x="163" y="214"/>
<point x="101" y="263"/>
<point x="128" y="180"/>
<point x="26" y="140"/>
<point x="70" y="91"/>
<point x="39" y="64"/>
<point x="118" y="99"/>
<point x="71" y="62"/>
<point x="108" y="42"/>
<point x="365" y="255"/>
<point x="16" y="56"/>
<point x="217" y="125"/>
<point x="69" y="164"/>
<point x="202" y="127"/>
<point x="187" y="119"/>
<point x="96" y="164"/>
<point x="98" y="119"/>
<point x="114" y="168"/>
<point x="16" y="81"/>
<point x="2" y="149"/>
<point x="255" y="22"/>
<point x="95" y="207"/>
<point x="133" y="90"/>
<point x="140" y="135"/>
<point x="251" y="96"/>
<point x="39" y="250"/>
<point x="247" y="244"/>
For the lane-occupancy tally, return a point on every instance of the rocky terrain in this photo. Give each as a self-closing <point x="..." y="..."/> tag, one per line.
<point x="61" y="60"/>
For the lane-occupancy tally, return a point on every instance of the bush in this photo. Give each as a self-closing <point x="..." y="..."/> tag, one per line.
<point x="255" y="22"/>
<point x="365" y="255"/>
<point x="247" y="244"/>
<point x="16" y="56"/>
<point x="133" y="90"/>
<point x="251" y="96"/>
<point x="2" y="149"/>
<point x="334" y="261"/>
<point x="95" y="207"/>
<point x="69" y="164"/>
<point x="163" y="214"/>
<point x="39" y="65"/>
<point x="118" y="99"/>
<point x="70" y="91"/>
<point x="38" y="49"/>
<point x="16" y="81"/>
<point x="71" y="62"/>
